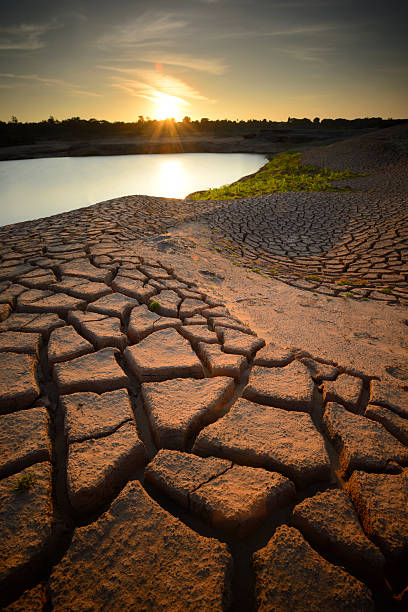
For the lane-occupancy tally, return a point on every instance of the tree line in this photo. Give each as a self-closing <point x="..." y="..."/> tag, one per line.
<point x="15" y="132"/>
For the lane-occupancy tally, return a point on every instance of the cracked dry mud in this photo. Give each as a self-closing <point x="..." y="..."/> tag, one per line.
<point x="353" y="245"/>
<point x="169" y="458"/>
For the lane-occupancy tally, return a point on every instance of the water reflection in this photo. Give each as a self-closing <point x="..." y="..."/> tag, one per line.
<point x="170" y="178"/>
<point x="35" y="188"/>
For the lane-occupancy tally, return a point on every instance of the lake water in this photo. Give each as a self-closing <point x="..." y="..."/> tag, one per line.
<point x="34" y="188"/>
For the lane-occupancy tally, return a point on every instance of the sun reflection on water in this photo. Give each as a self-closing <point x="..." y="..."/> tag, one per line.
<point x="170" y="178"/>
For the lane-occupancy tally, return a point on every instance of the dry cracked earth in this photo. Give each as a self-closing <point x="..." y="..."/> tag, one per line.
<point x="348" y="244"/>
<point x="156" y="454"/>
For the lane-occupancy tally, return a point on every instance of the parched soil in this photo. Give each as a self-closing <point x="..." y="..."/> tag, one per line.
<point x="160" y="451"/>
<point x="349" y="244"/>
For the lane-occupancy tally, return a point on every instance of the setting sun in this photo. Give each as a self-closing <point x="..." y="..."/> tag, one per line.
<point x="168" y="106"/>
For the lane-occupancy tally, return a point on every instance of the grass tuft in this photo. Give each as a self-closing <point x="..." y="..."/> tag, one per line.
<point x="284" y="172"/>
<point x="313" y="277"/>
<point x="24" y="483"/>
<point x="154" y="306"/>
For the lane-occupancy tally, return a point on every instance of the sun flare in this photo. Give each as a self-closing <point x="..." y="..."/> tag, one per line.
<point x="168" y="106"/>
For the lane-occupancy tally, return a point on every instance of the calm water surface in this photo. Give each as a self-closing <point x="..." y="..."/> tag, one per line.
<point x="34" y="188"/>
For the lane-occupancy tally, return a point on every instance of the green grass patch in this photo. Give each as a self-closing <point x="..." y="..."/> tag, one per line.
<point x="284" y="172"/>
<point x="154" y="306"/>
<point x="386" y="290"/>
<point x="24" y="483"/>
<point x="343" y="281"/>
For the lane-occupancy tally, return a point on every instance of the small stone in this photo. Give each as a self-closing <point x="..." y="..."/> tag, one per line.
<point x="363" y="444"/>
<point x="167" y="566"/>
<point x="278" y="440"/>
<point x="99" y="329"/>
<point x="84" y="269"/>
<point x="133" y="288"/>
<point x="273" y="355"/>
<point x="164" y="354"/>
<point x="180" y="474"/>
<point x="115" y="305"/>
<point x="179" y="408"/>
<point x="88" y="415"/>
<point x="393" y="423"/>
<point x="144" y="322"/>
<point x="346" y="390"/>
<point x="290" y="575"/>
<point x="390" y="396"/>
<point x="191" y="306"/>
<point x="95" y="372"/>
<point x="220" y="363"/>
<point x="198" y="333"/>
<point x="18" y="383"/>
<point x="25" y="522"/>
<point x="96" y="468"/>
<point x="23" y="439"/>
<point x="329" y="521"/>
<point x="65" y="344"/>
<point x="381" y="501"/>
<point x="239" y="343"/>
<point x="20" y="342"/>
<point x="290" y="387"/>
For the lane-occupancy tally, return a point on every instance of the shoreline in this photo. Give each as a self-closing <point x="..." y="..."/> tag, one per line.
<point x="257" y="144"/>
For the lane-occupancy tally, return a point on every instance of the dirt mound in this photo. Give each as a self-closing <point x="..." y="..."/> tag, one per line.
<point x="363" y="153"/>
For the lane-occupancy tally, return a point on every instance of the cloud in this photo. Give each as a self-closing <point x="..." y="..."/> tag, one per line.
<point x="312" y="30"/>
<point x="71" y="87"/>
<point x="152" y="84"/>
<point x="25" y="36"/>
<point x="148" y="30"/>
<point x="202" y="64"/>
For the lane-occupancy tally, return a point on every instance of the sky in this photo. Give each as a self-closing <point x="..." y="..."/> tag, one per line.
<point x="235" y="59"/>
